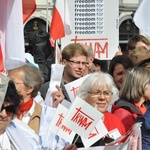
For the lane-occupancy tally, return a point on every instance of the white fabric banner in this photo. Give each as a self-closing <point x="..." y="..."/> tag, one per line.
<point x="55" y="80"/>
<point x="12" y="38"/>
<point x="141" y="17"/>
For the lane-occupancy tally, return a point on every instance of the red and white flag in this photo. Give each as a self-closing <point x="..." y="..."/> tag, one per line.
<point x="60" y="24"/>
<point x="141" y="17"/>
<point x="2" y="34"/>
<point x="29" y="6"/>
<point x="1" y="59"/>
<point x="12" y="37"/>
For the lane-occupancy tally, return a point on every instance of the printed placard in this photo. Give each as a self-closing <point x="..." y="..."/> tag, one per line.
<point x="99" y="131"/>
<point x="57" y="126"/>
<point x="82" y="117"/>
<point x="73" y="87"/>
<point x="92" y="24"/>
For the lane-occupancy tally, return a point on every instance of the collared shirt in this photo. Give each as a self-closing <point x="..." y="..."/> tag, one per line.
<point x="27" y="116"/>
<point x="4" y="142"/>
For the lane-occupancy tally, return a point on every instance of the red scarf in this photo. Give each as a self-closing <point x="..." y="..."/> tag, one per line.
<point x="24" y="107"/>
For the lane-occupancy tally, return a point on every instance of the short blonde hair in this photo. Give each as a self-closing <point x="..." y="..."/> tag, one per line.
<point x="134" y="84"/>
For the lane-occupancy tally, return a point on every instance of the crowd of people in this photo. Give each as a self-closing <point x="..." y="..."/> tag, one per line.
<point x="119" y="90"/>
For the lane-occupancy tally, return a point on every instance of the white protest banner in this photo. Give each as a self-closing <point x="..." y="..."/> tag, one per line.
<point x="131" y="141"/>
<point x="141" y="17"/>
<point x="66" y="103"/>
<point x="132" y="137"/>
<point x="82" y="117"/>
<point x="11" y="30"/>
<point x="95" y="23"/>
<point x="98" y="132"/>
<point x="55" y="80"/>
<point x="73" y="87"/>
<point x="57" y="126"/>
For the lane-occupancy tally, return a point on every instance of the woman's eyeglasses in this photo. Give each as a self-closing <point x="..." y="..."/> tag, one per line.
<point x="10" y="110"/>
<point x="99" y="93"/>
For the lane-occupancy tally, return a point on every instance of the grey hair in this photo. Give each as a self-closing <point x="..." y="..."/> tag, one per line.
<point x="98" y="80"/>
<point x="32" y="77"/>
<point x="90" y="52"/>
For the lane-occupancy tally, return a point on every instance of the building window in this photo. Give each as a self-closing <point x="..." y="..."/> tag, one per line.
<point x="31" y="26"/>
<point x="126" y="30"/>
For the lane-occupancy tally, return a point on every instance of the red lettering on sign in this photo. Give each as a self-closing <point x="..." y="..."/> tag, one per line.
<point x="74" y="90"/>
<point x="59" y="122"/>
<point x="82" y="119"/>
<point x="66" y="129"/>
<point x="99" y="45"/>
<point x="93" y="133"/>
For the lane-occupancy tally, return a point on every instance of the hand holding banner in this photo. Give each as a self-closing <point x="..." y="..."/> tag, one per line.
<point x="55" y="80"/>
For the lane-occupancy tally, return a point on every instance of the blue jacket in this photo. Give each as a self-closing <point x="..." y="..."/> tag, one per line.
<point x="145" y="129"/>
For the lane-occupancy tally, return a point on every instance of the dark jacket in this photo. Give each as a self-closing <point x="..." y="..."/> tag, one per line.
<point x="145" y="129"/>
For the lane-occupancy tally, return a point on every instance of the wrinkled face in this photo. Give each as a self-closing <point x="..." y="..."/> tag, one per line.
<point x="16" y="76"/>
<point x="118" y="75"/>
<point x="74" y="67"/>
<point x="99" y="98"/>
<point x="6" y="115"/>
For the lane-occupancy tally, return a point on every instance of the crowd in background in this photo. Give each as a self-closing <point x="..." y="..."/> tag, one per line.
<point x="119" y="89"/>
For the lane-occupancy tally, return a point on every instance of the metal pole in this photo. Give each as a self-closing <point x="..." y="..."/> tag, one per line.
<point x="47" y="16"/>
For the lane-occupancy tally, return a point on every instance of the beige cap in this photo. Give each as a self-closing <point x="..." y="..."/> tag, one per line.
<point x="139" y="54"/>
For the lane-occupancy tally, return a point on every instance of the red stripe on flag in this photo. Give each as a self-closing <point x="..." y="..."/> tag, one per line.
<point x="1" y="60"/>
<point x="57" y="26"/>
<point x="29" y="6"/>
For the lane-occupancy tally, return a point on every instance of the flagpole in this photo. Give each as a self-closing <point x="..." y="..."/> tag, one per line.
<point x="47" y="16"/>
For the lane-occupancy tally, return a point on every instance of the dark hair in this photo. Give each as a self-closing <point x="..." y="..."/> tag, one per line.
<point x="120" y="59"/>
<point x="12" y="95"/>
<point x="102" y="63"/>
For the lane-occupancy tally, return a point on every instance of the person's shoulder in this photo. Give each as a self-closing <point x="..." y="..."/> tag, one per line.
<point x="111" y="116"/>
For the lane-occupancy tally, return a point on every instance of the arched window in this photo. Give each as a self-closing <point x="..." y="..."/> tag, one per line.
<point x="126" y="30"/>
<point x="32" y="25"/>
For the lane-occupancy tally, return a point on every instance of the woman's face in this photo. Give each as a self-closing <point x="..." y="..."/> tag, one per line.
<point x="100" y="98"/>
<point x="118" y="75"/>
<point x="147" y="92"/>
<point x="6" y="114"/>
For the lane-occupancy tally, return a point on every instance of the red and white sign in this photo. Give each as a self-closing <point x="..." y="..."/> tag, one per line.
<point x="95" y="23"/>
<point x="57" y="126"/>
<point x="98" y="132"/>
<point x="73" y="87"/>
<point x="82" y="117"/>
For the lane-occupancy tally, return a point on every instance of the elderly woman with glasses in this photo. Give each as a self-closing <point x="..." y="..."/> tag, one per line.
<point x="99" y="90"/>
